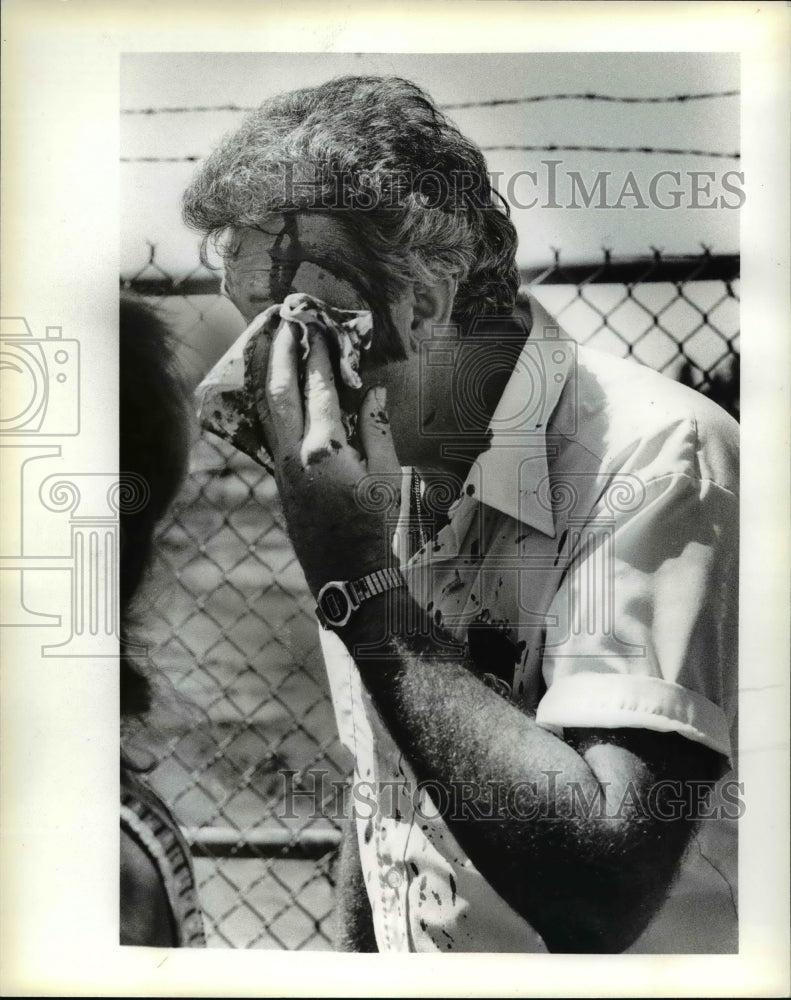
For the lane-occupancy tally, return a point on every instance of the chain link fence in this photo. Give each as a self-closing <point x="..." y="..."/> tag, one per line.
<point x="243" y="730"/>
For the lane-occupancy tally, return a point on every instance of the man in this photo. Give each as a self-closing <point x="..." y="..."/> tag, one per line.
<point x="540" y="693"/>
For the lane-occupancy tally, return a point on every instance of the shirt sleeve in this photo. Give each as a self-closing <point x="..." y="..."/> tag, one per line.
<point x="643" y="629"/>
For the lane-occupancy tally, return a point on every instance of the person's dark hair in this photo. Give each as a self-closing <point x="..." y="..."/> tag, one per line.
<point x="153" y="448"/>
<point x="380" y="156"/>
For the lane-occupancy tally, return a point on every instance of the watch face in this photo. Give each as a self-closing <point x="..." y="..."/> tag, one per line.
<point x="334" y="604"/>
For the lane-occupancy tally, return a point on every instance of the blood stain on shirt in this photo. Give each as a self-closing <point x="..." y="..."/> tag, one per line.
<point x="452" y="881"/>
<point x="454" y="584"/>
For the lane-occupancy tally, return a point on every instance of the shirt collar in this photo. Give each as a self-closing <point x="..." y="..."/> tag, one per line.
<point x="507" y="475"/>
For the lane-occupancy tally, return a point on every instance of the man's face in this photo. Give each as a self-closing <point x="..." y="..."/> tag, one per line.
<point x="291" y="253"/>
<point x="310" y="253"/>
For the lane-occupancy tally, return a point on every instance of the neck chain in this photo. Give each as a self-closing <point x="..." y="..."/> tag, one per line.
<point x="418" y="529"/>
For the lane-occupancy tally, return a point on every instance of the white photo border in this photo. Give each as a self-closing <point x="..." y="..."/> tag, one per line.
<point x="60" y="237"/>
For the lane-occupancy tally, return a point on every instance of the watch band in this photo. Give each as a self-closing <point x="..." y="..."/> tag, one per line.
<point x="339" y="599"/>
<point x="375" y="583"/>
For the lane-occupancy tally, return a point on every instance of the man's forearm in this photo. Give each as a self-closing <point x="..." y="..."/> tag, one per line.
<point x="536" y="846"/>
<point x="456" y="730"/>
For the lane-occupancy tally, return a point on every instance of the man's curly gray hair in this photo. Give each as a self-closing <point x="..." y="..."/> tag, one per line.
<point x="376" y="153"/>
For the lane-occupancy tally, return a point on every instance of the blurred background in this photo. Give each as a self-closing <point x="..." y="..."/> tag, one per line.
<point x="243" y="723"/>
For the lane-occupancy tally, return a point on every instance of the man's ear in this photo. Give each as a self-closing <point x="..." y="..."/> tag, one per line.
<point x="432" y="305"/>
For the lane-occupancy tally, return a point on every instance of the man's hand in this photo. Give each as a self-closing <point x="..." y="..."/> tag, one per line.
<point x="320" y="476"/>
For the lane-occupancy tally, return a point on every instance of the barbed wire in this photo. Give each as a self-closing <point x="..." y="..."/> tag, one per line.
<point x="509" y="147"/>
<point x="669" y="150"/>
<point x="161" y="159"/>
<point x="186" y="110"/>
<point x="493" y="102"/>
<point x="605" y="98"/>
<point x="463" y="105"/>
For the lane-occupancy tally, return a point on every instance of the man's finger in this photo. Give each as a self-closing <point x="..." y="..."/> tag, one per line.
<point x="375" y="434"/>
<point x="259" y="367"/>
<point x="324" y="433"/>
<point x="282" y="389"/>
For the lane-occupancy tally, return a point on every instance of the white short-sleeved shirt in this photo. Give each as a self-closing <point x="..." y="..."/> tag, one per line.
<point x="591" y="564"/>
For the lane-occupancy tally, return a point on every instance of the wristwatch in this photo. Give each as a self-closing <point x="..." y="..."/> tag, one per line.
<point x="339" y="599"/>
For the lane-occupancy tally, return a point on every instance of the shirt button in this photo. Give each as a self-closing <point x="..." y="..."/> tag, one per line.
<point x="394" y="879"/>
